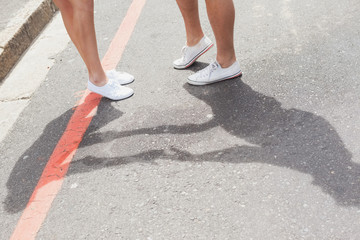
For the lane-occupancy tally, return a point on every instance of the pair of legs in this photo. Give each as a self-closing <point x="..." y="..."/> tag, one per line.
<point x="78" y="17"/>
<point x="221" y="15"/>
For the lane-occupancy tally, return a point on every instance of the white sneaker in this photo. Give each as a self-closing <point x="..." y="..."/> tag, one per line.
<point x="215" y="73"/>
<point x="191" y="54"/>
<point x="122" y="77"/>
<point x="112" y="90"/>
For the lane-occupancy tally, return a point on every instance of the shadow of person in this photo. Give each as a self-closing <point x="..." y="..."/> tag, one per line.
<point x="288" y="138"/>
<point x="26" y="173"/>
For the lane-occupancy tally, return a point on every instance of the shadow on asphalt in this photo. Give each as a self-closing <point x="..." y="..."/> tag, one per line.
<point x="28" y="169"/>
<point x="288" y="138"/>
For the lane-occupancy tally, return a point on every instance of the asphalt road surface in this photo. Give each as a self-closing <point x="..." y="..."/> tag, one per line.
<point x="272" y="155"/>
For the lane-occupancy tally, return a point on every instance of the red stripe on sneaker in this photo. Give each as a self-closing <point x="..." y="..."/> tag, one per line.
<point x="196" y="58"/>
<point x="53" y="175"/>
<point x="234" y="76"/>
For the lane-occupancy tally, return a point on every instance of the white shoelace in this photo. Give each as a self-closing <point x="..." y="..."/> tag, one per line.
<point x="183" y="51"/>
<point x="114" y="84"/>
<point x="206" y="72"/>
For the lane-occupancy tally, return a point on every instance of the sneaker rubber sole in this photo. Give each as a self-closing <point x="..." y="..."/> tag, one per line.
<point x="239" y="74"/>
<point x="195" y="58"/>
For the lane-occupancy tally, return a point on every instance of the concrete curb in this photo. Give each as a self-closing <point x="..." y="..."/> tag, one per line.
<point x="15" y="40"/>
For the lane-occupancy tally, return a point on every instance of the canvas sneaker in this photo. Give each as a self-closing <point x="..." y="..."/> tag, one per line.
<point x="191" y="54"/>
<point x="122" y="77"/>
<point x="215" y="73"/>
<point x="112" y="90"/>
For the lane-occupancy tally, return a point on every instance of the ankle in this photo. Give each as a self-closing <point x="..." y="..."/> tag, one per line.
<point x="226" y="62"/>
<point x="192" y="41"/>
<point x="98" y="80"/>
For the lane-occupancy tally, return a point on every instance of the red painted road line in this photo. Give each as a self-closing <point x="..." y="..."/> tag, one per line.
<point x="53" y="175"/>
<point x="117" y="46"/>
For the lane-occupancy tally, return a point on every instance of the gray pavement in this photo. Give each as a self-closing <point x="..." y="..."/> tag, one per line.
<point x="273" y="155"/>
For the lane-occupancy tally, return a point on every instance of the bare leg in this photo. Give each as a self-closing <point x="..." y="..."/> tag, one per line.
<point x="78" y="17"/>
<point x="190" y="12"/>
<point x="221" y="14"/>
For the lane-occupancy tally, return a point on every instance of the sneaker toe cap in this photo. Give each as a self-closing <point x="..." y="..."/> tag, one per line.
<point x="179" y="63"/>
<point x="191" y="78"/>
<point x="126" y="78"/>
<point x="120" y="77"/>
<point x="122" y="93"/>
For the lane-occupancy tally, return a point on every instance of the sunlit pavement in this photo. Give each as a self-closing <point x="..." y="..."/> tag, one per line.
<point x="271" y="155"/>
